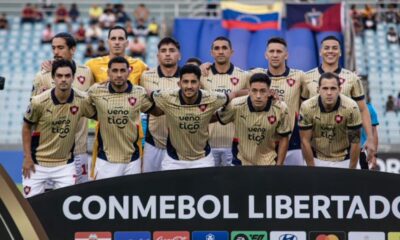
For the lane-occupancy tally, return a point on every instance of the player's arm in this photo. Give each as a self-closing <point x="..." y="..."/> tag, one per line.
<point x="366" y="123"/>
<point x="224" y="115"/>
<point x="154" y="109"/>
<point x="205" y="68"/>
<point x="284" y="130"/>
<point x="47" y="65"/>
<point x="305" y="136"/>
<point x="28" y="164"/>
<point x="353" y="136"/>
<point x="282" y="150"/>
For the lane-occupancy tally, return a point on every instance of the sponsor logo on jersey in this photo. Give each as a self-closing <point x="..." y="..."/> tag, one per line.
<point x="74" y="109"/>
<point x="271" y="119"/>
<point x="338" y="119"/>
<point x="132" y="101"/>
<point x="203" y="107"/>
<point x="234" y="80"/>
<point x="81" y="79"/>
<point x="171" y="235"/>
<point x="118" y="117"/>
<point x="290" y="82"/>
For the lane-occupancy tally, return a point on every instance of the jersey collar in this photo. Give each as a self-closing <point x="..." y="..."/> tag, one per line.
<point x="55" y="100"/>
<point x="161" y="74"/>
<point x="229" y="72"/>
<point x="198" y="100"/>
<point x="128" y="89"/>
<point x="266" y="109"/>
<point x="321" y="71"/>
<point x="321" y="106"/>
<point x="285" y="74"/>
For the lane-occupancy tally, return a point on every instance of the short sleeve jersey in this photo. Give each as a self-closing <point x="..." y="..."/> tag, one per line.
<point x="329" y="129"/>
<point x="256" y="131"/>
<point x="56" y="125"/>
<point x="154" y="80"/>
<point x="118" y="114"/>
<point x="234" y="79"/>
<point x="188" y="124"/>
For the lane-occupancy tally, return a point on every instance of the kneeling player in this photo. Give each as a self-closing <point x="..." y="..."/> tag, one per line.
<point x="329" y="125"/>
<point x="54" y="115"/>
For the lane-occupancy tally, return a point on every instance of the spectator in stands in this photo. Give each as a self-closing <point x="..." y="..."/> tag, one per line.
<point x="392" y="14"/>
<point x="95" y="12"/>
<point x="80" y="34"/>
<point x="28" y="14"/>
<point x="47" y="34"/>
<point x="398" y="102"/>
<point x="137" y="48"/>
<point x="74" y="12"/>
<point x="3" y="21"/>
<point x="89" y="51"/>
<point x="122" y="16"/>
<point x="368" y="11"/>
<point x="153" y="28"/>
<point x="109" y="7"/>
<point x="369" y="22"/>
<point x="101" y="49"/>
<point x="61" y="14"/>
<point x="141" y="30"/>
<point x="93" y="33"/>
<point x="47" y="7"/>
<point x="392" y="36"/>
<point x="390" y="104"/>
<point x="141" y="13"/>
<point x="129" y="28"/>
<point x="356" y="18"/>
<point x="38" y="13"/>
<point x="194" y="61"/>
<point x="107" y="19"/>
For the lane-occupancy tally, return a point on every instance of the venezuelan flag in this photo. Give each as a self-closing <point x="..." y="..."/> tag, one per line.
<point x="251" y="17"/>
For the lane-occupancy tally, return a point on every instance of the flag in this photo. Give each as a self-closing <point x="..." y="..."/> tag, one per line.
<point x="317" y="17"/>
<point x="251" y="17"/>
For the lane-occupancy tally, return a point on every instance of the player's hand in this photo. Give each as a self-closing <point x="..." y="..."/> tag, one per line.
<point x="274" y="95"/>
<point x="205" y="68"/>
<point x="28" y="166"/>
<point x="47" y="65"/>
<point x="371" y="152"/>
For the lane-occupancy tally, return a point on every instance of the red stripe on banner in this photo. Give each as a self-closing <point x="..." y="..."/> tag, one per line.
<point x="35" y="134"/>
<point x="250" y="26"/>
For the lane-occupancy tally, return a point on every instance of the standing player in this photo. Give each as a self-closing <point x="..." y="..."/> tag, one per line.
<point x="54" y="115"/>
<point x="118" y="103"/>
<point x="223" y="77"/>
<point x="350" y="84"/>
<point x="330" y="126"/>
<point x="164" y="77"/>
<point x="64" y="47"/>
<point x="287" y="83"/>
<point x="188" y="111"/>
<point x="259" y="121"/>
<point x="117" y="42"/>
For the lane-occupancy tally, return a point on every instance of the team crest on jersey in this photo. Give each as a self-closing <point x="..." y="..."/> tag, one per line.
<point x="132" y="101"/>
<point x="74" y="109"/>
<point x="27" y="190"/>
<point x="342" y="80"/>
<point x="290" y="82"/>
<point x="338" y="118"/>
<point x="81" y="79"/>
<point x="203" y="107"/>
<point x="271" y="119"/>
<point x="234" y="80"/>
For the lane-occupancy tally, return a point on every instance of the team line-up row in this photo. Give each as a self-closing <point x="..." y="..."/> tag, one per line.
<point x="212" y="115"/>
